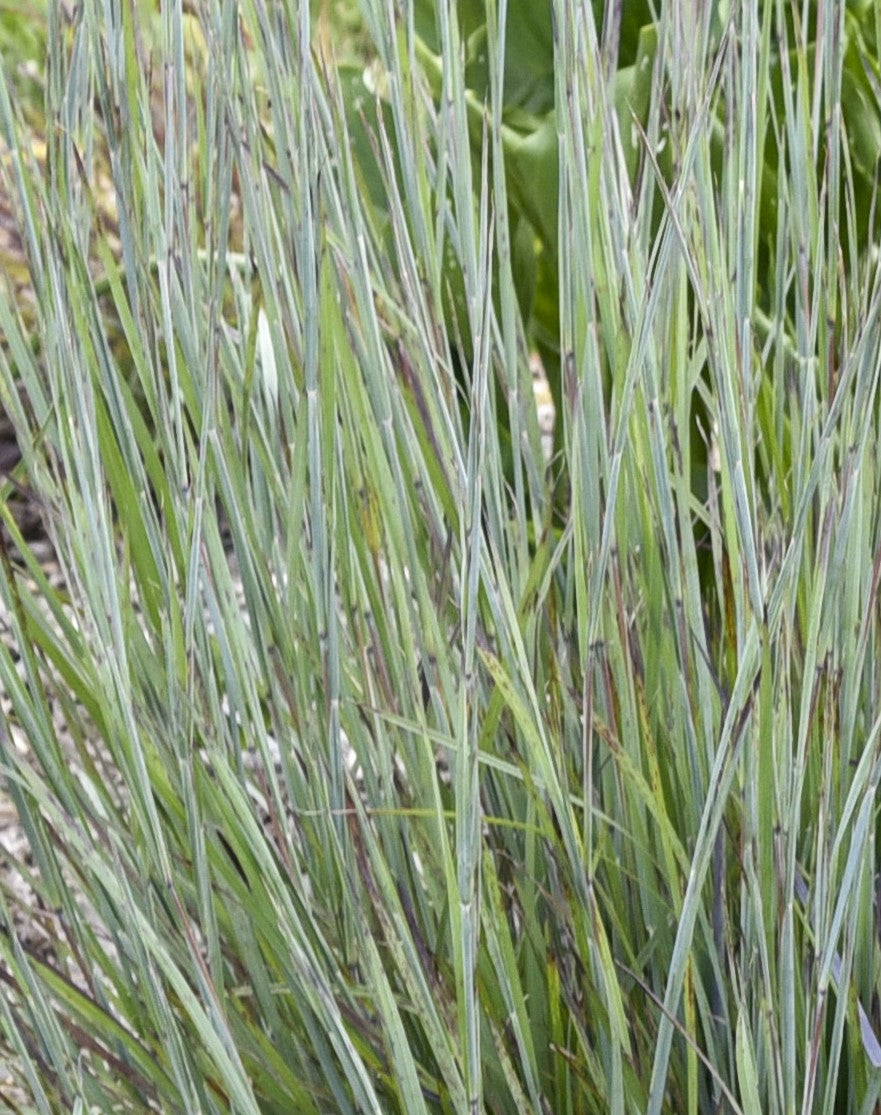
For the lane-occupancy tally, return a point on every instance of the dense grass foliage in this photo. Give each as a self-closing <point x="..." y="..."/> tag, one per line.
<point x="366" y="763"/>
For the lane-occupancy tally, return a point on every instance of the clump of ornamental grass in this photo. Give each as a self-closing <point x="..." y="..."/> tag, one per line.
<point x="365" y="762"/>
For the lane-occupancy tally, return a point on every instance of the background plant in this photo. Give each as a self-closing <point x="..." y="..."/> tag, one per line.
<point x="365" y="771"/>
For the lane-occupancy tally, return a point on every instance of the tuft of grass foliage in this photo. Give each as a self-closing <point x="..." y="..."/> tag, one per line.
<point x="370" y="765"/>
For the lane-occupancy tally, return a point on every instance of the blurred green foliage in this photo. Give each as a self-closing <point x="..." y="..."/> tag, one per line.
<point x="530" y="137"/>
<point x="23" y="49"/>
